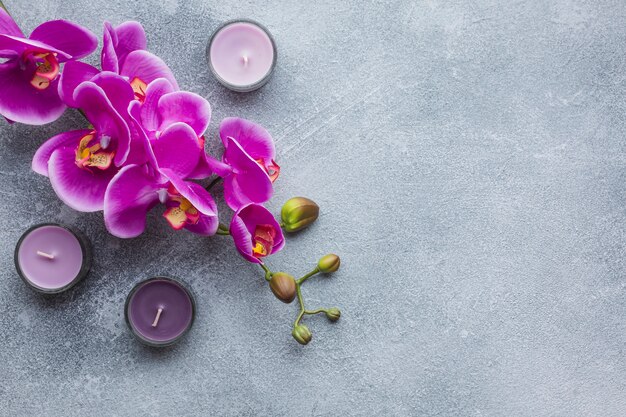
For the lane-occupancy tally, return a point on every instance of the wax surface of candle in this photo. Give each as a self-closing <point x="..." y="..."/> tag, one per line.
<point x="242" y="53"/>
<point x="175" y="317"/>
<point x="45" y="272"/>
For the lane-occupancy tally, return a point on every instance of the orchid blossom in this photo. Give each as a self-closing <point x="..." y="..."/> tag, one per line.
<point x="81" y="163"/>
<point x="123" y="53"/>
<point x="136" y="189"/>
<point x="256" y="233"/>
<point x="30" y="67"/>
<point x="247" y="165"/>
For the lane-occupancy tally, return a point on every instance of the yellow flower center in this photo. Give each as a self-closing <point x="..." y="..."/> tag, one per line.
<point x="93" y="156"/>
<point x="47" y="70"/>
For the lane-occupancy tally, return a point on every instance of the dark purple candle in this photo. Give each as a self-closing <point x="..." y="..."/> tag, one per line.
<point x="159" y="311"/>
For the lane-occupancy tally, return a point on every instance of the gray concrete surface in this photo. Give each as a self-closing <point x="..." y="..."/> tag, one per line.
<point x="469" y="159"/>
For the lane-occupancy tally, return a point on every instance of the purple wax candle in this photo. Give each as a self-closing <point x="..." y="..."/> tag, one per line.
<point x="51" y="258"/>
<point x="159" y="311"/>
<point x="242" y="55"/>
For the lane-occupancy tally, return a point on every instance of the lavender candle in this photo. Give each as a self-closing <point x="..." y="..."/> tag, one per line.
<point x="51" y="258"/>
<point x="242" y="55"/>
<point x="159" y="311"/>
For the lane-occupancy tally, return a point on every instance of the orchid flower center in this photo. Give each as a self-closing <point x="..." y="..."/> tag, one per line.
<point x="272" y="169"/>
<point x="46" y="68"/>
<point x="92" y="154"/>
<point x="263" y="240"/>
<point x="139" y="87"/>
<point x="180" y="212"/>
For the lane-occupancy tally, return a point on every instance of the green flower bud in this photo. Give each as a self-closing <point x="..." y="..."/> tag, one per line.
<point x="299" y="212"/>
<point x="333" y="314"/>
<point x="329" y="263"/>
<point x="283" y="286"/>
<point x="302" y="334"/>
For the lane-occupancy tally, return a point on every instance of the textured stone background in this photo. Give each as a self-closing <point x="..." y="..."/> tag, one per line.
<point x="469" y="160"/>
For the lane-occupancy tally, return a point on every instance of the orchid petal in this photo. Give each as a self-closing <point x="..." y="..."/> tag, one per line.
<point x="20" y="102"/>
<point x="19" y="45"/>
<point x="117" y="90"/>
<point x="140" y="140"/>
<point x="199" y="197"/>
<point x="244" y="225"/>
<point x="62" y="140"/>
<point x="253" y="138"/>
<point x="74" y="73"/>
<point x="249" y="183"/>
<point x="243" y="239"/>
<point x="206" y="226"/>
<point x="131" y="37"/>
<point x="65" y="36"/>
<point x="129" y="197"/>
<point x="108" y="56"/>
<point x="80" y="189"/>
<point x="147" y="67"/>
<point x="149" y="115"/>
<point x="99" y="110"/>
<point x="177" y="149"/>
<point x="8" y="25"/>
<point x="182" y="106"/>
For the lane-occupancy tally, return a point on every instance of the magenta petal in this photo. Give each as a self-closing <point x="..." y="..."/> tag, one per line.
<point x="253" y="215"/>
<point x="22" y="103"/>
<point x="202" y="169"/>
<point x="67" y="37"/>
<point x="92" y="100"/>
<point x="130" y="37"/>
<point x="117" y="90"/>
<point x="147" y="67"/>
<point x="74" y="73"/>
<point x="249" y="182"/>
<point x="196" y="194"/>
<point x="155" y="90"/>
<point x="129" y="197"/>
<point x="108" y="56"/>
<point x="177" y="148"/>
<point x="206" y="226"/>
<point x="242" y="238"/>
<point x="8" y="25"/>
<point x="63" y="140"/>
<point x="78" y="188"/>
<point x="19" y="45"/>
<point x="182" y="106"/>
<point x="140" y="140"/>
<point x="252" y="137"/>
<point x="220" y="168"/>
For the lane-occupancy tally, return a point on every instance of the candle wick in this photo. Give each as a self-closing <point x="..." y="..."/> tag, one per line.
<point x="45" y="255"/>
<point x="158" y="316"/>
<point x="245" y="60"/>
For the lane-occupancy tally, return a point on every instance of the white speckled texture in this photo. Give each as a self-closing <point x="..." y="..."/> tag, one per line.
<point x="469" y="158"/>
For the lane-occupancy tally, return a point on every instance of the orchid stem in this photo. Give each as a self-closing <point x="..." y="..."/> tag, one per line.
<point x="222" y="230"/>
<point x="268" y="273"/>
<point x="3" y="6"/>
<point x="213" y="183"/>
<point x="309" y="275"/>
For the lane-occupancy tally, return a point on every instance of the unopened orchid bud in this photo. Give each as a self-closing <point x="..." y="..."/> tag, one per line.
<point x="329" y="263"/>
<point x="302" y="334"/>
<point x="283" y="286"/>
<point x="298" y="213"/>
<point x="333" y="314"/>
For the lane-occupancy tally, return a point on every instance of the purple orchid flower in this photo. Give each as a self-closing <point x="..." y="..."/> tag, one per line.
<point x="162" y="108"/>
<point x="256" y="233"/>
<point x="123" y="53"/>
<point x="247" y="165"/>
<point x="81" y="163"/>
<point x="136" y="189"/>
<point x="30" y="67"/>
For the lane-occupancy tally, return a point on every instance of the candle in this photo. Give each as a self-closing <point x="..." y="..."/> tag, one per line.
<point x="51" y="258"/>
<point x="242" y="55"/>
<point x="159" y="311"/>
